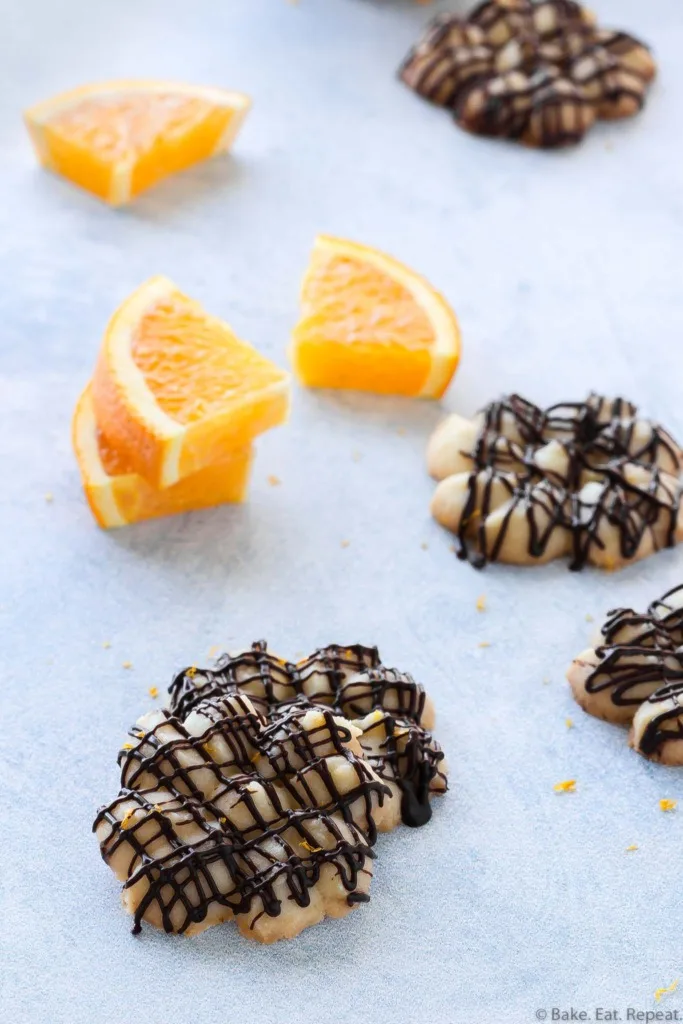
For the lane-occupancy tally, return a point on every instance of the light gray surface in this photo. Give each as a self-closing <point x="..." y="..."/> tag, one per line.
<point x="565" y="270"/>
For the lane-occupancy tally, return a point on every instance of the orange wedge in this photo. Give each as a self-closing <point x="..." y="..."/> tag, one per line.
<point x="176" y="391"/>
<point x="117" y="496"/>
<point x="370" y="323"/>
<point x="116" y="139"/>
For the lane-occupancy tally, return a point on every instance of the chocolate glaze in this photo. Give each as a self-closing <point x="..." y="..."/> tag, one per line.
<point x="261" y="742"/>
<point x="599" y="439"/>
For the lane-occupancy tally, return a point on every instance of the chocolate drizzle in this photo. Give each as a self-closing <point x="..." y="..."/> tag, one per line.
<point x="639" y="676"/>
<point x="246" y="790"/>
<point x="575" y="472"/>
<point x="350" y="680"/>
<point x="540" y="72"/>
<point x="640" y="656"/>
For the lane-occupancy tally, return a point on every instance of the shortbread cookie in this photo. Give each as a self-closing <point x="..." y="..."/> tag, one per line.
<point x="634" y="674"/>
<point x="590" y="480"/>
<point x="540" y="72"/>
<point x="258" y="793"/>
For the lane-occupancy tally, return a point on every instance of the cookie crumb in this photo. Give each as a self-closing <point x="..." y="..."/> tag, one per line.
<point x="631" y="848"/>
<point x="401" y="431"/>
<point x="126" y="664"/>
<point x="484" y="643"/>
<point x="153" y="691"/>
<point x="424" y="545"/>
<point x="106" y="644"/>
<point x="345" y="543"/>
<point x="569" y="722"/>
<point x="568" y="786"/>
<point x="668" y="805"/>
<point x="274" y="481"/>
<point x="452" y="547"/>
<point x="659" y="992"/>
<point x="481" y="603"/>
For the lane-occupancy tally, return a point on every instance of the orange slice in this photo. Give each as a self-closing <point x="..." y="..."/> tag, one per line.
<point x="176" y="391"/>
<point x="370" y="323"/>
<point x="116" y="139"/>
<point x="118" y="496"/>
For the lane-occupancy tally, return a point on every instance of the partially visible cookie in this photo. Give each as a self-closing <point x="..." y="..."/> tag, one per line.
<point x="541" y="73"/>
<point x="592" y="481"/>
<point x="657" y="729"/>
<point x="258" y="793"/>
<point x="634" y="674"/>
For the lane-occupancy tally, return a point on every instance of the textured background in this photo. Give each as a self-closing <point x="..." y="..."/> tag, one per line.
<point x="565" y="270"/>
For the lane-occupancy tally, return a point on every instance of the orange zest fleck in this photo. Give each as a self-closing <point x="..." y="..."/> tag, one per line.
<point x="668" y="805"/>
<point x="127" y="819"/>
<point x="659" y="992"/>
<point x="481" y="603"/>
<point x="568" y="786"/>
<point x="153" y="691"/>
<point x="311" y="849"/>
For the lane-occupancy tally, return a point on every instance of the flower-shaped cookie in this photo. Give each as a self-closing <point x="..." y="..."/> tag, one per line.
<point x="590" y="480"/>
<point x="634" y="674"/>
<point x="258" y="793"/>
<point x="541" y="72"/>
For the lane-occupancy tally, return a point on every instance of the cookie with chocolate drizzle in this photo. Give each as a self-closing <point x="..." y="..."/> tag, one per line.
<point x="257" y="794"/>
<point x="634" y="674"/>
<point x="590" y="480"/>
<point x="540" y="72"/>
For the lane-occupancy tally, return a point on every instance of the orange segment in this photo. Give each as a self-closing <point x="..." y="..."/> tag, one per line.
<point x="117" y="496"/>
<point x="176" y="391"/>
<point x="370" y="323"/>
<point x="119" y="138"/>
